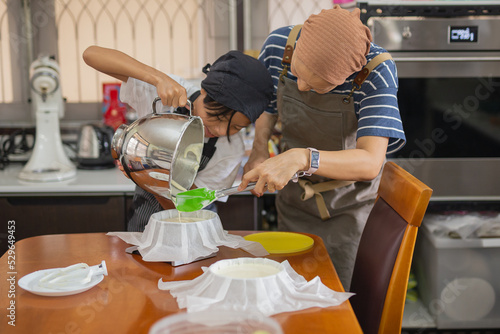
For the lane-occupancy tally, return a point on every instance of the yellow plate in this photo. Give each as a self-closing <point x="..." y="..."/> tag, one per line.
<point x="282" y="242"/>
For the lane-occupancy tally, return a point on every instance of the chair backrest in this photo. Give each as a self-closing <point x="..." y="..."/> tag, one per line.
<point x="383" y="261"/>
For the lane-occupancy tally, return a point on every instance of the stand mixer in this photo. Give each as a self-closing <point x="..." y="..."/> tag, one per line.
<point x="48" y="162"/>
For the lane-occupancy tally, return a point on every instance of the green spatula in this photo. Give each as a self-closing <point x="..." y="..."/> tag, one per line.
<point x="197" y="199"/>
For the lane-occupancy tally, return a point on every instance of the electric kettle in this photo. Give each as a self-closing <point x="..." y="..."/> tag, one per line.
<point x="94" y="147"/>
<point x="160" y="152"/>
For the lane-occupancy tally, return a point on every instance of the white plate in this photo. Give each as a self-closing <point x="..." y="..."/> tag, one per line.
<point x="30" y="283"/>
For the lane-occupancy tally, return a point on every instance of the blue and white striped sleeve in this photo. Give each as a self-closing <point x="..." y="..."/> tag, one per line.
<point x="271" y="55"/>
<point x="379" y="111"/>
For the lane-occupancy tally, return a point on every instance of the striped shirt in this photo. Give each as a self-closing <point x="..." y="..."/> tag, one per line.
<point x="375" y="104"/>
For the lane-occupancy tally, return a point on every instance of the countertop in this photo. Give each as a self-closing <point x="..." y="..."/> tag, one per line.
<point x="98" y="181"/>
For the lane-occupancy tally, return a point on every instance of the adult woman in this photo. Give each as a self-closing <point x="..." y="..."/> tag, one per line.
<point x="337" y="127"/>
<point x="234" y="93"/>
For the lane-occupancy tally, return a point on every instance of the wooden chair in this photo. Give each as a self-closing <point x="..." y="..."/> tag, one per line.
<point x="385" y="252"/>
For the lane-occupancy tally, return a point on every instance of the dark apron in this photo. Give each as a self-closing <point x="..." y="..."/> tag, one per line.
<point x="334" y="210"/>
<point x="324" y="122"/>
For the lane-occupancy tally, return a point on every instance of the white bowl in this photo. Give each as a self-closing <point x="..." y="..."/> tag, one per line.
<point x="167" y="239"/>
<point x="246" y="268"/>
<point x="254" y="285"/>
<point x="208" y="322"/>
<point x="198" y="235"/>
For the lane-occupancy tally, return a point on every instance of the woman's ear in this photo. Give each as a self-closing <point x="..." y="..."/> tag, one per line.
<point x="199" y="105"/>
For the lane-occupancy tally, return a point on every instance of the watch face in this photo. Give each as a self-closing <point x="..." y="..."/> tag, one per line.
<point x="314" y="159"/>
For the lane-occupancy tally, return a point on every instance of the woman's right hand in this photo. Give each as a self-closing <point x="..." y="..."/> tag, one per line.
<point x="256" y="158"/>
<point x="275" y="173"/>
<point x="170" y="92"/>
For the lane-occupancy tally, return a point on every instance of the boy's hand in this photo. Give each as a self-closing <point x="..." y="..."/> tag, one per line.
<point x="171" y="93"/>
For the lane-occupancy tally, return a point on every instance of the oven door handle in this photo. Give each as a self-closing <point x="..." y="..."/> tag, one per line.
<point x="444" y="59"/>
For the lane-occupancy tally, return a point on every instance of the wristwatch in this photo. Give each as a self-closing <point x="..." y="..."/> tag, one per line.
<point x="313" y="165"/>
<point x="313" y="161"/>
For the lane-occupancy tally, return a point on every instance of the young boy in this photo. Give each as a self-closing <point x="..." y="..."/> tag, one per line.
<point x="234" y="93"/>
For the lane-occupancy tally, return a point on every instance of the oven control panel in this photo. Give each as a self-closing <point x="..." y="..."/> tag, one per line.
<point x="439" y="39"/>
<point x="435" y="34"/>
<point x="429" y="8"/>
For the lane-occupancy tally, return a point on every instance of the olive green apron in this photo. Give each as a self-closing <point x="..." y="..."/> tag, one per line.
<point x="332" y="209"/>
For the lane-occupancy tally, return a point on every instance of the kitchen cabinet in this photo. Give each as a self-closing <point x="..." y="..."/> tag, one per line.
<point x="52" y="213"/>
<point x="241" y="212"/>
<point x="55" y="214"/>
<point x="93" y="201"/>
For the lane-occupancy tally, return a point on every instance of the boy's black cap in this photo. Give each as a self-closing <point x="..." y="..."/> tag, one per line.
<point x="239" y="82"/>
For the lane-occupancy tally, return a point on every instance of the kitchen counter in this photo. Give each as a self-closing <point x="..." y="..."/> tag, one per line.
<point x="92" y="201"/>
<point x="100" y="181"/>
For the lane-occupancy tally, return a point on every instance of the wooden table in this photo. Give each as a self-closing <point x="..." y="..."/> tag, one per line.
<point x="128" y="299"/>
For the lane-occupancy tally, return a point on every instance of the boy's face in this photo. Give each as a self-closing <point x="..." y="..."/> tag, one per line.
<point x="215" y="126"/>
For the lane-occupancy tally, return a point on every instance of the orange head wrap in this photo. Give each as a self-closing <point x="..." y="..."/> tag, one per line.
<point x="334" y="44"/>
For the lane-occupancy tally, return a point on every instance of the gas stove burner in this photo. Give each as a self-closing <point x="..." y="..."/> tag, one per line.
<point x="427" y="9"/>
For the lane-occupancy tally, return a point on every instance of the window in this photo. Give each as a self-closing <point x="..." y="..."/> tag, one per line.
<point x="6" y="93"/>
<point x="175" y="36"/>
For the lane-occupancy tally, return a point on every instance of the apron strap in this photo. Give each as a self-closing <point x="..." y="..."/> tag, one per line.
<point x="315" y="189"/>
<point x="365" y="71"/>
<point x="363" y="74"/>
<point x="290" y="46"/>
<point x="209" y="149"/>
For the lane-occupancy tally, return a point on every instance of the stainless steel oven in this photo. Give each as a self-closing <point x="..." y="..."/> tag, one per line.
<point x="448" y="59"/>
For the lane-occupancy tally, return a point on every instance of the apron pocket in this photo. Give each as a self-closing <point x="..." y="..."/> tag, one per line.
<point x="304" y="126"/>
